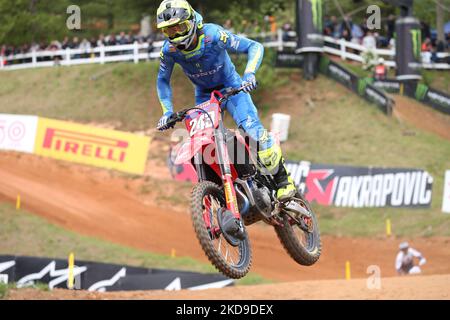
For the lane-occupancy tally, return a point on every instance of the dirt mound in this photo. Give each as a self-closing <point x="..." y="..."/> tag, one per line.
<point x="421" y="116"/>
<point x="92" y="202"/>
<point x="411" y="287"/>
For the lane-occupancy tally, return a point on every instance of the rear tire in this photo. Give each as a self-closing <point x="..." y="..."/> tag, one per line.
<point x="214" y="244"/>
<point x="290" y="236"/>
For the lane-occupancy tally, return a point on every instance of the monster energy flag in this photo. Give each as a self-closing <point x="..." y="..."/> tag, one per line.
<point x="408" y="48"/>
<point x="309" y="25"/>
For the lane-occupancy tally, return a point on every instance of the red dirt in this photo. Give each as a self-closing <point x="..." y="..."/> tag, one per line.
<point x="91" y="202"/>
<point x="411" y="287"/>
<point x="423" y="117"/>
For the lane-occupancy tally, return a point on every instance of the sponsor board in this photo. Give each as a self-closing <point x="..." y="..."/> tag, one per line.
<point x="342" y="75"/>
<point x="359" y="187"/>
<point x="432" y="97"/>
<point x="103" y="148"/>
<point x="361" y="86"/>
<point x="101" y="277"/>
<point x="438" y="100"/>
<point x="446" y="197"/>
<point x="287" y="59"/>
<point x="17" y="132"/>
<point x="388" y="85"/>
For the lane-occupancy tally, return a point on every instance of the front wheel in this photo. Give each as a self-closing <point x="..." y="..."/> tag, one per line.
<point x="208" y="201"/>
<point x="303" y="246"/>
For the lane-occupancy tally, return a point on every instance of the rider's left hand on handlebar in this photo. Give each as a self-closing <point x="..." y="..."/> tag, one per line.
<point x="162" y="123"/>
<point x="249" y="81"/>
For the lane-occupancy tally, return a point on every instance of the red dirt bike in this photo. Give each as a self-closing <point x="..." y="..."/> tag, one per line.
<point x="234" y="191"/>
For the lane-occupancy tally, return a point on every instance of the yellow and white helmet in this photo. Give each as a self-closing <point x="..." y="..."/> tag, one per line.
<point x="178" y="22"/>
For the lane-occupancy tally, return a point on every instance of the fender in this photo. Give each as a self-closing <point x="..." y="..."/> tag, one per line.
<point x="190" y="148"/>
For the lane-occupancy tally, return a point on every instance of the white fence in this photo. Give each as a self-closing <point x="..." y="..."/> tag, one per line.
<point x="68" y="57"/>
<point x="137" y="52"/>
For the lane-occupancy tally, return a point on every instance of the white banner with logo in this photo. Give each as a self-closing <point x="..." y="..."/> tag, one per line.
<point x="17" y="133"/>
<point x="446" y="197"/>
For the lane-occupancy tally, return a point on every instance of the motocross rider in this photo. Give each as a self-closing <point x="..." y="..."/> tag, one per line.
<point x="201" y="50"/>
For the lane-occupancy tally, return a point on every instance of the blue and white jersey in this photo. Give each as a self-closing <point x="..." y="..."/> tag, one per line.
<point x="209" y="65"/>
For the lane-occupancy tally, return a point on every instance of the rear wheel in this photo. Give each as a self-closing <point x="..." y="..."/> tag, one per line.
<point x="208" y="201"/>
<point x="303" y="246"/>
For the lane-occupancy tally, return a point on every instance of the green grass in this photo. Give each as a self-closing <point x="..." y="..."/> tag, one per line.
<point x="4" y="288"/>
<point x="22" y="233"/>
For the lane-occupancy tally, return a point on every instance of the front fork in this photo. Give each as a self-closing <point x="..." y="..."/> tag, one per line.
<point x="225" y="169"/>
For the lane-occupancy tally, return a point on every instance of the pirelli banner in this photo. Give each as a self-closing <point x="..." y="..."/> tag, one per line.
<point x="359" y="187"/>
<point x="98" y="147"/>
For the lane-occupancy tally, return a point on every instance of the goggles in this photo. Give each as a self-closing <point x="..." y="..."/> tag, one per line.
<point x="178" y="30"/>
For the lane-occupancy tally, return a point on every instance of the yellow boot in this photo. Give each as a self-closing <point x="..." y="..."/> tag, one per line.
<point x="273" y="161"/>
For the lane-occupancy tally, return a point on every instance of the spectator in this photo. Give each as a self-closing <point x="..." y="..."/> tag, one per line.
<point x="101" y="40"/>
<point x="66" y="43"/>
<point x="229" y="25"/>
<point x="85" y="45"/>
<point x="288" y="32"/>
<point x="123" y="38"/>
<point x="112" y="41"/>
<point x="131" y="38"/>
<point x="369" y="41"/>
<point x="390" y="27"/>
<point x="404" y="262"/>
<point x="380" y="72"/>
<point x="426" y="45"/>
<point x="93" y="42"/>
<point x="346" y="28"/>
<point x="332" y="27"/>
<point x="75" y="43"/>
<point x="357" y="34"/>
<point x="425" y="30"/>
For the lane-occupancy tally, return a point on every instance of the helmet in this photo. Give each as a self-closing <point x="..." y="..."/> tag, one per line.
<point x="178" y="22"/>
<point x="403" y="245"/>
<point x="380" y="60"/>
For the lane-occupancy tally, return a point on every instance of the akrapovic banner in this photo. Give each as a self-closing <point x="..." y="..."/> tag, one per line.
<point x="360" y="187"/>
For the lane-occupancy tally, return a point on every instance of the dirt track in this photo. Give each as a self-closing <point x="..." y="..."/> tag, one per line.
<point x="90" y="202"/>
<point x="413" y="112"/>
<point x="418" y="287"/>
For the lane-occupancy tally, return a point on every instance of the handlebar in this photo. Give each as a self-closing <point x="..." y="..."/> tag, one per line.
<point x="180" y="115"/>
